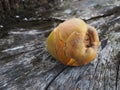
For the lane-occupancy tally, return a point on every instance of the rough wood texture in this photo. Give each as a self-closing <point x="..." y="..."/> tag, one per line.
<point x="25" y="63"/>
<point x="19" y="9"/>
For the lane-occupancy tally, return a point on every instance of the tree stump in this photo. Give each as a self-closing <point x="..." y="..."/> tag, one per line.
<point x="25" y="64"/>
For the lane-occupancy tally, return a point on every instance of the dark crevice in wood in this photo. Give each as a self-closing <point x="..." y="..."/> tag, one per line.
<point x="104" y="43"/>
<point x="46" y="88"/>
<point x="3" y="5"/>
<point x="99" y="16"/>
<point x="106" y="14"/>
<point x="117" y="68"/>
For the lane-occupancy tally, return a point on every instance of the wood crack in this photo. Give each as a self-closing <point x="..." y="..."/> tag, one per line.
<point x="117" y="70"/>
<point x="105" y="14"/>
<point x="46" y="88"/>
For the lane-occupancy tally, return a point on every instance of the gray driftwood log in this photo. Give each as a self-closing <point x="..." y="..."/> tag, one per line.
<point x="25" y="63"/>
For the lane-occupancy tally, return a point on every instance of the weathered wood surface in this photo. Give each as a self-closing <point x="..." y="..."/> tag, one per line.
<point x="19" y="9"/>
<point x="25" y="63"/>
